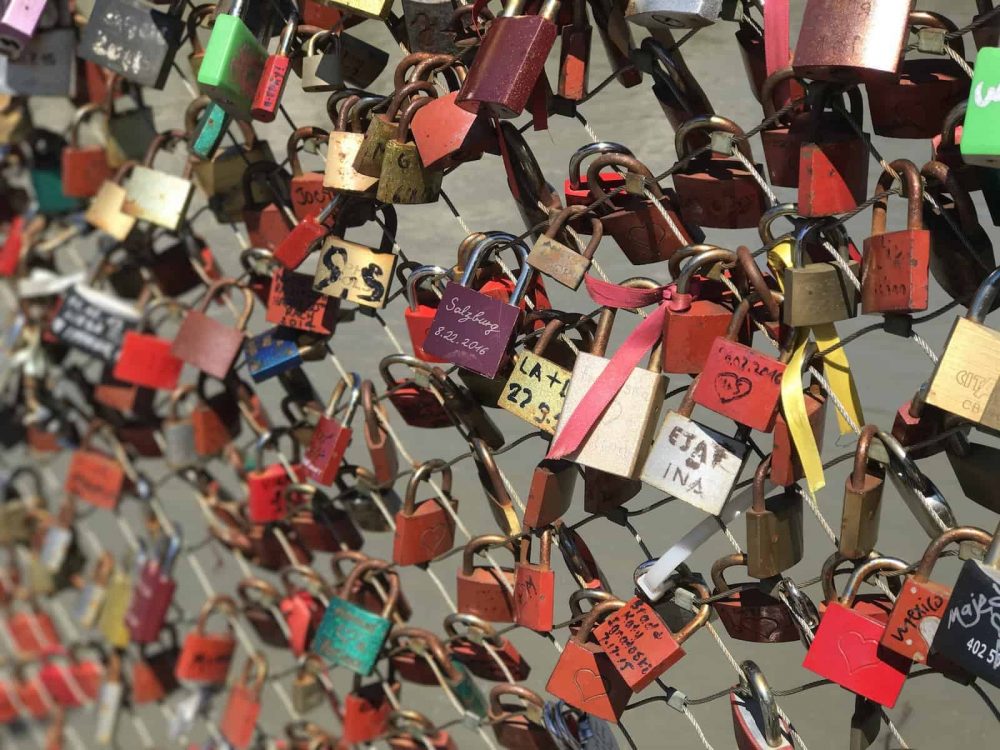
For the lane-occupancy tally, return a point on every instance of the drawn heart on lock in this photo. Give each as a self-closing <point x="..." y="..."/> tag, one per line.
<point x="590" y="684"/>
<point x="729" y="386"/>
<point x="858" y="652"/>
<point x="431" y="538"/>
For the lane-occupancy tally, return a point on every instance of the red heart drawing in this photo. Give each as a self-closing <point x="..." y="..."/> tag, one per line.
<point x="729" y="386"/>
<point x="858" y="652"/>
<point x="590" y="684"/>
<point x="431" y="538"/>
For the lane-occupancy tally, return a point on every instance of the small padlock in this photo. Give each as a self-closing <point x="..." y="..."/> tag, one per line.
<point x="559" y="261"/>
<point x="145" y="359"/>
<point x="309" y="194"/>
<point x="486" y="591"/>
<point x="311" y="688"/>
<point x="153" y="592"/>
<point x="205" y="656"/>
<point x="259" y="601"/>
<point x="382" y="126"/>
<point x="156" y="196"/>
<point x="354" y="272"/>
<point x="274" y="76"/>
<point x="307" y="596"/>
<point x="367" y="709"/>
<point x="424" y="530"/>
<point x="238" y="722"/>
<point x="551" y="493"/>
<point x="84" y="169"/>
<point x="317" y="523"/>
<point x="535" y="585"/>
<point x="862" y="501"/>
<point x="404" y="179"/>
<point x="774" y="528"/>
<point x="321" y="69"/>
<point x="331" y="437"/>
<point x="482" y="650"/>
<point x="343" y="147"/>
<point x="378" y="438"/>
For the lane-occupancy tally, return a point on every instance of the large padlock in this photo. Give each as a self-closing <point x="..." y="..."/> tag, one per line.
<point x="757" y="723"/>
<point x="634" y="222"/>
<point x="207" y="344"/>
<point x="817" y="293"/>
<point x="915" y="104"/>
<point x="350" y="636"/>
<point x="750" y="614"/>
<point x="233" y="63"/>
<point x="878" y="36"/>
<point x="111" y="39"/>
<point x="859" y="522"/>
<point x="894" y="275"/>
<point x="846" y="647"/>
<point x="84" y="169"/>
<point x="717" y="189"/>
<point x="205" y="656"/>
<point x="965" y="378"/>
<point x="535" y="585"/>
<point x="486" y="591"/>
<point x="918" y="611"/>
<point x="156" y="196"/>
<point x="427" y="529"/>
<point x="511" y="60"/>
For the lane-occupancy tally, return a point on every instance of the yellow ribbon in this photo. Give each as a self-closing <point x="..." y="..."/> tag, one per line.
<point x="836" y="370"/>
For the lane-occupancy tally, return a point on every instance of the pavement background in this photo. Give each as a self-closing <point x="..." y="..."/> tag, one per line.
<point x="931" y="712"/>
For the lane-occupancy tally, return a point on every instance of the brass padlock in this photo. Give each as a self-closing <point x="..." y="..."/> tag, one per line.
<point x="774" y="528"/>
<point x="404" y="178"/>
<point x="343" y="147"/>
<point x="862" y="501"/>
<point x="817" y="293"/>
<point x="158" y="197"/>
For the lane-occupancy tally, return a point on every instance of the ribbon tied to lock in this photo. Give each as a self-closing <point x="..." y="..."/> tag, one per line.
<point x="628" y="356"/>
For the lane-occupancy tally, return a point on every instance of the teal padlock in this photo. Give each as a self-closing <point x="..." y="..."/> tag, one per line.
<point x="349" y="635"/>
<point x="981" y="130"/>
<point x="211" y="128"/>
<point x="233" y="64"/>
<point x="46" y="174"/>
<point x="466" y="689"/>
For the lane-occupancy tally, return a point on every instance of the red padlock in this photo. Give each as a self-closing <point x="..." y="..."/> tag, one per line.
<point x="292" y="302"/>
<point x="425" y="530"/>
<point x="308" y="194"/>
<point x="486" y="591"/>
<point x="205" y="657"/>
<point x="332" y="436"/>
<point x="366" y="710"/>
<point x="584" y="676"/>
<point x="421" y="308"/>
<point x="95" y="477"/>
<point x="482" y="651"/>
<point x="577" y="190"/>
<point x="876" y="605"/>
<point x="535" y="586"/>
<point x="153" y="592"/>
<point x="303" y="605"/>
<point x="8" y="713"/>
<point x="266" y="484"/>
<point x="239" y="718"/>
<point x="413" y="650"/>
<point x="751" y="614"/>
<point x="783" y="140"/>
<point x="274" y="76"/>
<point x="380" y="443"/>
<point x="419" y="405"/>
<point x="84" y="168"/>
<point x="145" y="358"/>
<point x="846" y="647"/>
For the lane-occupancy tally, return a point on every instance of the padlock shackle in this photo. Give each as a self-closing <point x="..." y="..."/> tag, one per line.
<point x="407" y="93"/>
<point x="198" y="14"/>
<point x="79" y="117"/>
<point x="492" y="242"/>
<point x="959" y="534"/>
<point x="409" y="360"/>
<point x="720" y="566"/>
<point x="353" y="381"/>
<point x="371" y="565"/>
<point x="857" y="478"/>
<point x="497" y="712"/>
<point x="578" y="597"/>
<point x="770" y="216"/>
<point x="292" y="148"/>
<point x="592" y="149"/>
<point x="472" y="623"/>
<point x="865" y="569"/>
<point x="913" y="191"/>
<point x="700" y="618"/>
<point x="256" y="665"/>
<point x="760" y="484"/>
<point x="954" y="118"/>
<point x="714" y="123"/>
<point x="753" y="685"/>
<point x="223" y="604"/>
<point x="166" y="139"/>
<point x="984" y="298"/>
<point x="355" y="556"/>
<point x="422" y="473"/>
<point x="626" y="162"/>
<point x="431" y="64"/>
<point x="431" y="642"/>
<point x="416" y="276"/>
<point x="403" y="126"/>
<point x="549" y="333"/>
<point x="801" y="234"/>
<point x="10" y="488"/>
<point x="221" y="286"/>
<point x="708" y="257"/>
<point x="992" y="557"/>
<point x="199" y="105"/>
<point x="499" y="498"/>
<point x="313" y="582"/>
<point x="594" y="616"/>
<point x="479" y="543"/>
<point x="770" y="86"/>
<point x="267" y="590"/>
<point x="411" y="60"/>
<point x="545" y="549"/>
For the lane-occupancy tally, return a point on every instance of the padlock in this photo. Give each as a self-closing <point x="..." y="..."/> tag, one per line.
<point x="879" y="35"/>
<point x="307" y="192"/>
<point x="70" y="680"/>
<point x="484" y="652"/>
<point x="493" y="82"/>
<point x="91" y="599"/>
<point x="259" y="600"/>
<point x="750" y="613"/>
<point x="370" y="589"/>
<point x="155" y="196"/>
<point x="786" y="467"/>
<point x="740" y="382"/>
<point x="96" y="477"/>
<point x="415" y="654"/>
<point x="846" y="647"/>
<point x="862" y="501"/>
<point x="818" y="293"/>
<point x="332" y="436"/>
<point x="945" y="148"/>
<point x="367" y="709"/>
<point x="33" y="632"/>
<point x="105" y="210"/>
<point x="416" y="403"/>
<point x="275" y="74"/>
<point x="620" y="439"/>
<point x="233" y="63"/>
<point x="306" y="598"/>
<point x="84" y="169"/>
<point x="917" y="613"/>
<point x="550" y="494"/>
<point x="429" y="26"/>
<point x="266" y="484"/>
<point x="693" y="462"/>
<point x="894" y="275"/>
<point x="914" y="104"/>
<point x="145" y="359"/>
<point x="382" y="126"/>
<point x="317" y="523"/>
<point x="207" y="130"/>
<point x="205" y="343"/>
<point x="520" y="727"/>
<point x="279" y="350"/>
<point x="343" y="147"/>
<point x="215" y="419"/>
<point x="673" y="14"/>
<point x="486" y="591"/>
<point x="965" y="377"/>
<point x="472" y="329"/>
<point x="833" y="158"/>
<point x="757" y="723"/>
<point x="424" y="530"/>
<point x="152" y="677"/>
<point x="404" y="179"/>
<point x="153" y="592"/>
<point x="537" y="387"/>
<point x="312" y="688"/>
<point x="351" y="636"/>
<point x="964" y="636"/>
<point x="635" y="224"/>
<point x="639" y="644"/>
<point x="411" y="730"/>
<point x="716" y="189"/>
<point x="577" y="187"/>
<point x="535" y="585"/>
<point x="774" y="528"/>
<point x="421" y="307"/>
<point x="293" y="302"/>
<point x="877" y="605"/>
<point x="978" y="145"/>
<point x="354" y="272"/>
<point x="238" y="723"/>
<point x="205" y="656"/>
<point x="560" y="262"/>
<point x="111" y="39"/>
<point x="321" y="62"/>
<point x="584" y="676"/>
<point x="959" y="265"/>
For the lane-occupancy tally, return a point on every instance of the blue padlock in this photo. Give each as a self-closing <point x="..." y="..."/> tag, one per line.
<point x="276" y="351"/>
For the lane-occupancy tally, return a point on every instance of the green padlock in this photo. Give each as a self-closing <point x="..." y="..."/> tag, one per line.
<point x="980" y="133"/>
<point x="349" y="635"/>
<point x="211" y="128"/>
<point x="233" y="64"/>
<point x="46" y="174"/>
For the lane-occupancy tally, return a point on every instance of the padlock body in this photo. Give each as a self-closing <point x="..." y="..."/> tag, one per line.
<point x="775" y="535"/>
<point x="915" y="104"/>
<point x="642" y="233"/>
<point x="965" y="378"/>
<point x="740" y="383"/>
<point x="980" y="144"/>
<point x="422" y="535"/>
<point x="207" y="344"/>
<point x="915" y="618"/>
<point x="752" y="615"/>
<point x="692" y="334"/>
<point x="717" y="192"/>
<point x="534" y="596"/>
<point x="585" y="679"/>
<point x="146" y="360"/>
<point x="84" y="170"/>
<point x="551" y="493"/>
<point x="447" y="134"/>
<point x="205" y="657"/>
<point x="966" y="636"/>
<point x="819" y="293"/>
<point x="894" y="274"/>
<point x="483" y="593"/>
<point x="273" y="78"/>
<point x="536" y="391"/>
<point x="366" y="713"/>
<point x="833" y="175"/>
<point x="349" y="636"/>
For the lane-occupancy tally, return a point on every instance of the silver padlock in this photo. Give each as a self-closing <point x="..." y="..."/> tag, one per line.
<point x="178" y="432"/>
<point x="321" y="70"/>
<point x="46" y="66"/>
<point x="674" y="14"/>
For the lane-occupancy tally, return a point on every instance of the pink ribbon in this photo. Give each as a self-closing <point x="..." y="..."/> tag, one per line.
<point x="628" y="356"/>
